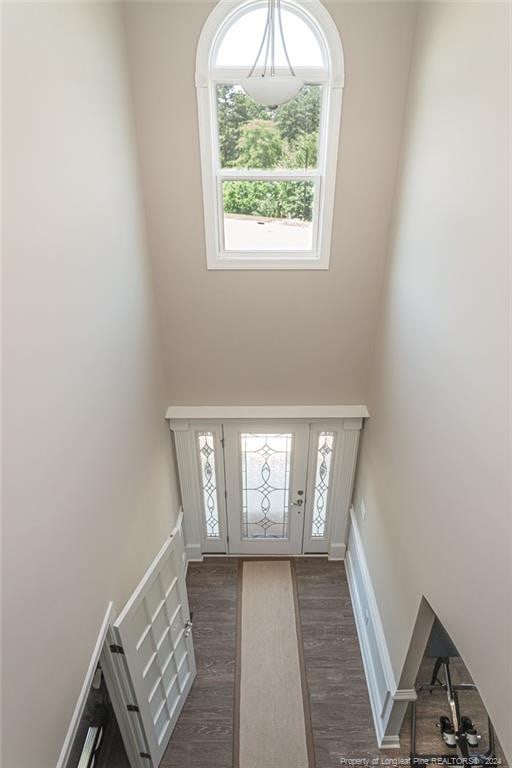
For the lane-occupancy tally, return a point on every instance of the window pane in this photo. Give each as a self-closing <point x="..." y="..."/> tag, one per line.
<point x="322" y="479"/>
<point x="265" y="485"/>
<point x="209" y="484"/>
<point x="254" y="136"/>
<point x="240" y="44"/>
<point x="268" y="215"/>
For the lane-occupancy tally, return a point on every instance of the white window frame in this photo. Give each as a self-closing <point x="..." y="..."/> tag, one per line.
<point x="331" y="78"/>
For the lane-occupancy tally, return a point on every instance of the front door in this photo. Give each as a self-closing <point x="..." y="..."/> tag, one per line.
<point x="266" y="466"/>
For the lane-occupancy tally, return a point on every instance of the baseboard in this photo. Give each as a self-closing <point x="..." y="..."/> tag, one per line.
<point x="405" y="694"/>
<point x="247" y="555"/>
<point x="382" y="688"/>
<point x="192" y="560"/>
<point x="337" y="550"/>
<point x="193" y="552"/>
<point x="390" y="742"/>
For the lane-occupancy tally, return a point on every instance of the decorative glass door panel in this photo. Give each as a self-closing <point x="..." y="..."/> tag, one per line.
<point x="266" y="463"/>
<point x="325" y="449"/>
<point x="266" y="484"/>
<point x="206" y="447"/>
<point x="325" y="444"/>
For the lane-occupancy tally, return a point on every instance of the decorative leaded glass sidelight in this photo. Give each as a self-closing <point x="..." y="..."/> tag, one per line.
<point x="266" y="460"/>
<point x="325" y="450"/>
<point x="209" y="484"/>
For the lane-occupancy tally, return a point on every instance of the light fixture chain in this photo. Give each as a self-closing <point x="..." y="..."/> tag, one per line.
<point x="265" y="34"/>
<point x="280" y="20"/>
<point x="268" y="35"/>
<point x="273" y="42"/>
<point x="268" y="40"/>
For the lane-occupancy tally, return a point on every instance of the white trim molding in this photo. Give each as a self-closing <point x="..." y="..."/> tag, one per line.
<point x="246" y="412"/>
<point x="388" y="702"/>
<point x="346" y="459"/>
<point x="86" y="686"/>
<point x="337" y="550"/>
<point x="119" y="690"/>
<point x="186" y="423"/>
<point x="405" y="694"/>
<point x="330" y="76"/>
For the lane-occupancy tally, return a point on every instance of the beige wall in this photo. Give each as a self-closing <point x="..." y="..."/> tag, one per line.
<point x="267" y="337"/>
<point x="88" y="492"/>
<point x="435" y="459"/>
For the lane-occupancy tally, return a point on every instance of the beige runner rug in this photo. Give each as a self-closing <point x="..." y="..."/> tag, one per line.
<point x="272" y="722"/>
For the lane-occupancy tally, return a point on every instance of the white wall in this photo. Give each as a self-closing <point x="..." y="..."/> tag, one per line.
<point x="89" y="493"/>
<point x="233" y="337"/>
<point x="435" y="460"/>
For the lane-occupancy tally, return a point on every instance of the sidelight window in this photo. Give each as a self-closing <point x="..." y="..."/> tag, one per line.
<point x="325" y="450"/>
<point x="210" y="499"/>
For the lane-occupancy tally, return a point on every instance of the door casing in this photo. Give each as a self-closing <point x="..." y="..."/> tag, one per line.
<point x="347" y="430"/>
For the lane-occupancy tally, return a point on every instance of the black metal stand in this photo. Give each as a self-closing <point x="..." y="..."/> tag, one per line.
<point x="465" y="754"/>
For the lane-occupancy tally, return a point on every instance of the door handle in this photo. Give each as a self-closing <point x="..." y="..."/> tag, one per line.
<point x="298" y="503"/>
<point x="188" y="625"/>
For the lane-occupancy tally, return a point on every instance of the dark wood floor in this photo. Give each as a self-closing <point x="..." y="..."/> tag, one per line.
<point x="204" y="732"/>
<point x="340" y="709"/>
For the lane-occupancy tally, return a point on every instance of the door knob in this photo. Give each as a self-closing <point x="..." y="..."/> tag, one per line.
<point x="298" y="503"/>
<point x="188" y="625"/>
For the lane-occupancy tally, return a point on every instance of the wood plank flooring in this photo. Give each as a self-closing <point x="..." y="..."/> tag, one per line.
<point x="204" y="732"/>
<point x="340" y="709"/>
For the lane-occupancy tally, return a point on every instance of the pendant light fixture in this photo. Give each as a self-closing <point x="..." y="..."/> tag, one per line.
<point x="267" y="88"/>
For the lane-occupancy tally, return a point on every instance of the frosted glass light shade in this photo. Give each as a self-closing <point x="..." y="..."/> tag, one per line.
<point x="272" y="91"/>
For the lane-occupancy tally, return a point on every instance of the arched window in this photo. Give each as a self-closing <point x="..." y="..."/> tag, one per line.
<point x="269" y="172"/>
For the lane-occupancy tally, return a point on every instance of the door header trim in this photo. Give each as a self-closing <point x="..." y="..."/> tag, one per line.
<point x="244" y="412"/>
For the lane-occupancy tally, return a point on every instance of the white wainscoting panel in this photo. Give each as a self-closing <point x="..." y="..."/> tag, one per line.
<point x="385" y="697"/>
